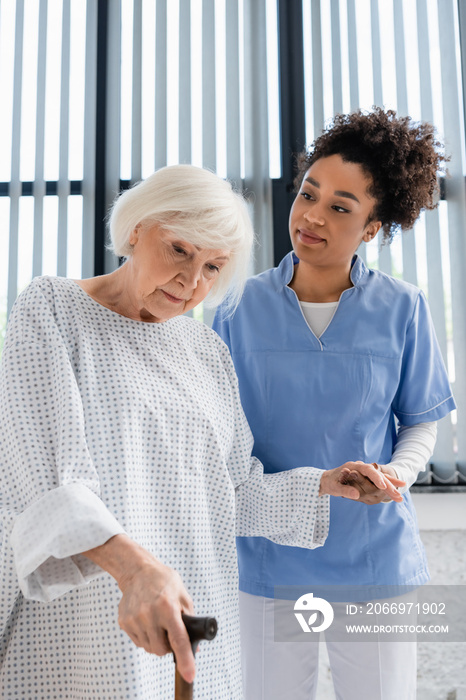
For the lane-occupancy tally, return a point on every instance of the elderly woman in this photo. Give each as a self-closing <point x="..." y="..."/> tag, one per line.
<point x="126" y="460"/>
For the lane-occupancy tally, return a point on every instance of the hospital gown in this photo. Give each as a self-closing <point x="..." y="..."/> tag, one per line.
<point x="110" y="425"/>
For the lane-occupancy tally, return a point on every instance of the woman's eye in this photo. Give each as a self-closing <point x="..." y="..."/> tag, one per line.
<point x="213" y="268"/>
<point x="307" y="196"/>
<point x="179" y="250"/>
<point x="341" y="210"/>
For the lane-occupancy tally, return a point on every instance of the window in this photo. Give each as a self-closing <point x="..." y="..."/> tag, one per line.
<point x="405" y="55"/>
<point x="124" y="87"/>
<point x="96" y="94"/>
<point x="46" y="154"/>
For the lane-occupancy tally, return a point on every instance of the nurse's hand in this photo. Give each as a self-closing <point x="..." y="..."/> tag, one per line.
<point x="369" y="492"/>
<point x="359" y="481"/>
<point x="153" y="599"/>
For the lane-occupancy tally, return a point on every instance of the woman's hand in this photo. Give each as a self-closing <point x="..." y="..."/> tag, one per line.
<point x="150" y="613"/>
<point x="362" y="482"/>
<point x="368" y="491"/>
<point x="153" y="599"/>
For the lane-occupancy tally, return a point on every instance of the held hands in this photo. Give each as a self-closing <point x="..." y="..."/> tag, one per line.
<point x="153" y="599"/>
<point x="362" y="482"/>
<point x="368" y="491"/>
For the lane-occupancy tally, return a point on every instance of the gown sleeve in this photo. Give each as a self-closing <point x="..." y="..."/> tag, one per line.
<point x="284" y="507"/>
<point x="50" y="505"/>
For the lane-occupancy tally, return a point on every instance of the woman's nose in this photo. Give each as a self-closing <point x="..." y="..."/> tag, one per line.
<point x="190" y="275"/>
<point x="315" y="215"/>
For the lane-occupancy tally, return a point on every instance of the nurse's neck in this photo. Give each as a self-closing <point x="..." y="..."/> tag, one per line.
<point x="320" y="284"/>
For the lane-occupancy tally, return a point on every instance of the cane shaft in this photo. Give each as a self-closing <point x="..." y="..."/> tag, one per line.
<point x="183" y="690"/>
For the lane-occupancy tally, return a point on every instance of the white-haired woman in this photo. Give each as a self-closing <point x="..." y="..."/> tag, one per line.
<point x="126" y="460"/>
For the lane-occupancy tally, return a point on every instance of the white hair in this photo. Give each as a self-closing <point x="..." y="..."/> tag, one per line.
<point x="200" y="208"/>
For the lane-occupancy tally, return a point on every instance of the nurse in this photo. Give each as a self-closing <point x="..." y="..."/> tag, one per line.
<point x="339" y="362"/>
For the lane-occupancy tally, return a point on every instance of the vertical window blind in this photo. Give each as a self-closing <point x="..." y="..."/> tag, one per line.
<point x="406" y="55"/>
<point x="193" y="88"/>
<point x="196" y="81"/>
<point x="47" y="122"/>
<point x="186" y="81"/>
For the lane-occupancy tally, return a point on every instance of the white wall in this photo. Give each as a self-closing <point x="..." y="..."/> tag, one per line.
<point x="440" y="511"/>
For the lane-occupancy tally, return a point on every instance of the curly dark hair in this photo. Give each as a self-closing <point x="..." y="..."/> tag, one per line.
<point x="402" y="157"/>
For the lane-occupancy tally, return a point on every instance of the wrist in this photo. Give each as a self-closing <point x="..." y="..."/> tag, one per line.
<point x="121" y="557"/>
<point x="323" y="484"/>
<point x="389" y="469"/>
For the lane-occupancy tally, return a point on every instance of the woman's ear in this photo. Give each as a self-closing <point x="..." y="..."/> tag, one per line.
<point x="134" y="235"/>
<point x="371" y="231"/>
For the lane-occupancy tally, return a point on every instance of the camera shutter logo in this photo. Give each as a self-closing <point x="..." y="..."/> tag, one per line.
<point x="307" y="603"/>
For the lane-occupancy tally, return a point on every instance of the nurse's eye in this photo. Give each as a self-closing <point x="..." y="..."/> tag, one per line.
<point x="341" y="210"/>
<point x="307" y="196"/>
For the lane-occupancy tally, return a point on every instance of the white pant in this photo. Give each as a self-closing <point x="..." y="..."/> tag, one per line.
<point x="289" y="670"/>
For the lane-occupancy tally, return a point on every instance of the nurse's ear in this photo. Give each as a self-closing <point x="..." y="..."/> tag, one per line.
<point x="371" y="230"/>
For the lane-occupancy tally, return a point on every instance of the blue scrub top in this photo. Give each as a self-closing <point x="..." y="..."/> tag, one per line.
<point x="325" y="401"/>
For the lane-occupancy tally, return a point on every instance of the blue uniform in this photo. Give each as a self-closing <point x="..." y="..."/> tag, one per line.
<point x="325" y="401"/>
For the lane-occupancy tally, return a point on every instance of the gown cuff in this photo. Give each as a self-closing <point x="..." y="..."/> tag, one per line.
<point x="49" y="536"/>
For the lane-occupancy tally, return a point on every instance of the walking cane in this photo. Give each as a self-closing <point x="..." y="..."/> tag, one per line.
<point x="198" y="628"/>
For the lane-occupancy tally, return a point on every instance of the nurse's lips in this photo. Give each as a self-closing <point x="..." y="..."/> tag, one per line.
<point x="170" y="297"/>
<point x="309" y="237"/>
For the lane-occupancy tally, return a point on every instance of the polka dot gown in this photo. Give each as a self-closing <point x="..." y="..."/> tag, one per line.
<point x="111" y="425"/>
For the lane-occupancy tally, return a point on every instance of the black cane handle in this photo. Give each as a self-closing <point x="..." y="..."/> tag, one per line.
<point x="198" y="628"/>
